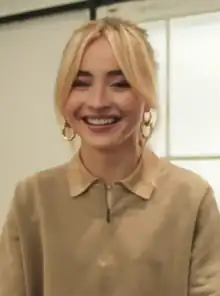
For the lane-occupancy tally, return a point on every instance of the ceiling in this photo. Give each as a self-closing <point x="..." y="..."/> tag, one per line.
<point x="159" y="9"/>
<point x="152" y="9"/>
<point x="9" y="7"/>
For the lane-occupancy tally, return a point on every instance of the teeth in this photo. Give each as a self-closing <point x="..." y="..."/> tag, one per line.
<point x="100" y="121"/>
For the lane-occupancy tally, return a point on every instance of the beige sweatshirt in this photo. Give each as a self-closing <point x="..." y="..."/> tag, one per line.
<point x="157" y="233"/>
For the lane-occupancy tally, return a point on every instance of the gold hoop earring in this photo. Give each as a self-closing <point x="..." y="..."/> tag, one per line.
<point x="147" y="125"/>
<point x="65" y="130"/>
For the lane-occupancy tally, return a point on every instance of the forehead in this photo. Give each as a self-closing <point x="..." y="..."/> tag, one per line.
<point x="99" y="57"/>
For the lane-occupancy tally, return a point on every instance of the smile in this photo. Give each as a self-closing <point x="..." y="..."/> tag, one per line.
<point x="100" y="120"/>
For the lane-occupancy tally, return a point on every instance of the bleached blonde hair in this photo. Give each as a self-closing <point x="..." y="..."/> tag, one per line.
<point x="131" y="49"/>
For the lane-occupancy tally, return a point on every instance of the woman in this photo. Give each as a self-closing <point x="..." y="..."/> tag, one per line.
<point x="116" y="220"/>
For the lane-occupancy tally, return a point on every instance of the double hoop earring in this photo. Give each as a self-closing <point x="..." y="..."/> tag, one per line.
<point x="67" y="132"/>
<point x="147" y="126"/>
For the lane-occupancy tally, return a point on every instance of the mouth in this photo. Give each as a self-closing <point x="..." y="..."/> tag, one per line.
<point x="101" y="121"/>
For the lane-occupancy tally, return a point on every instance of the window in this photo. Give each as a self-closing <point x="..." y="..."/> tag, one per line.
<point x="195" y="86"/>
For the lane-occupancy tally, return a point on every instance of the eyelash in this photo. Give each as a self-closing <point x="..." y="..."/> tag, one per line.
<point x="80" y="84"/>
<point x="121" y="84"/>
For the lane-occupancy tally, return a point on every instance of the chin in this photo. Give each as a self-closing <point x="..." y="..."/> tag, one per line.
<point x="102" y="144"/>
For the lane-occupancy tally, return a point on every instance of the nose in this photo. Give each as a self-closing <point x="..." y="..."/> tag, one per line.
<point x="98" y="97"/>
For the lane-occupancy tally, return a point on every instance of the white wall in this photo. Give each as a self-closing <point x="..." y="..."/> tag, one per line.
<point x="30" y="137"/>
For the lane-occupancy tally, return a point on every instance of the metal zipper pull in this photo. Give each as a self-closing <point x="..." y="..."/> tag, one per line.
<point x="108" y="215"/>
<point x="108" y="204"/>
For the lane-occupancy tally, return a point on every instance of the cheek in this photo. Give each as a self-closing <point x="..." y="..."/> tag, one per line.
<point x="72" y="106"/>
<point x="131" y="105"/>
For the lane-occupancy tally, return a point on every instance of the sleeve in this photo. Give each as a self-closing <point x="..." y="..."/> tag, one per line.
<point x="11" y="269"/>
<point x="205" y="263"/>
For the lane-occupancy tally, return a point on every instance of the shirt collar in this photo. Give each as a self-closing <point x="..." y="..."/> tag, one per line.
<point x="144" y="180"/>
<point x="79" y="178"/>
<point x="141" y="182"/>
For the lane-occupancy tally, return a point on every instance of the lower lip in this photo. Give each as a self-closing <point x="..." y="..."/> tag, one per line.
<point x="101" y="128"/>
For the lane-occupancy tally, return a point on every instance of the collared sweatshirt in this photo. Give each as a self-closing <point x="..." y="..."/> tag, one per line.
<point x="156" y="233"/>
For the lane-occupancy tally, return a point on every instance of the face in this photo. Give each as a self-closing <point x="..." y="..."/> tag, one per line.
<point x="102" y="108"/>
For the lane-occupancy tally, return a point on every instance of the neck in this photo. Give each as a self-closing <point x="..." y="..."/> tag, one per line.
<point x="113" y="165"/>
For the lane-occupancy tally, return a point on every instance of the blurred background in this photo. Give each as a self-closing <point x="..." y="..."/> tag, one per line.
<point x="186" y="38"/>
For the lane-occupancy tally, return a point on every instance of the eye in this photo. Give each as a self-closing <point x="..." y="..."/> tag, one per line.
<point x="121" y="84"/>
<point x="80" y="84"/>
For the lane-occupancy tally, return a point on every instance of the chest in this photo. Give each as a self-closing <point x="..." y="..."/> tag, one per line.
<point x="138" y="251"/>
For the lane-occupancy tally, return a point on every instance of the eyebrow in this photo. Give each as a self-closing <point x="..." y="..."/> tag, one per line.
<point x="111" y="73"/>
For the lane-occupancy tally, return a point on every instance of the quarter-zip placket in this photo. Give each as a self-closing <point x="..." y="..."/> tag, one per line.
<point x="108" y="203"/>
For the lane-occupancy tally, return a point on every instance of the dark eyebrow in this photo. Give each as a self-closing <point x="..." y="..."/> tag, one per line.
<point x="116" y="72"/>
<point x="111" y="73"/>
<point x="84" y="73"/>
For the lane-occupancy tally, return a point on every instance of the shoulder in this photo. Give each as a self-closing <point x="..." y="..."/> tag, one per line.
<point x="42" y="185"/>
<point x="48" y="177"/>
<point x="183" y="176"/>
<point x="184" y="183"/>
<point x="28" y="203"/>
<point x="184" y="193"/>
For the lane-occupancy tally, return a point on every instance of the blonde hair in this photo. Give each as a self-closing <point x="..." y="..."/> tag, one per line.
<point x="132" y="51"/>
